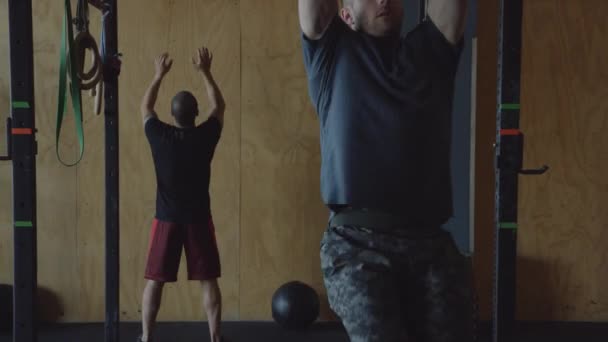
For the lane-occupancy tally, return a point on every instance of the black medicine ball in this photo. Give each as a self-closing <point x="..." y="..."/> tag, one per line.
<point x="295" y="306"/>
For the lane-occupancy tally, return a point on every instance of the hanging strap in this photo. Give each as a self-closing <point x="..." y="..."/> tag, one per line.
<point x="67" y="66"/>
<point x="83" y="42"/>
<point x="102" y="53"/>
<point x="72" y="55"/>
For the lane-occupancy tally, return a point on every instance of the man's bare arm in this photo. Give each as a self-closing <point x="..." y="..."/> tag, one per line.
<point x="163" y="65"/>
<point x="217" y="106"/>
<point x="149" y="99"/>
<point x="216" y="100"/>
<point x="450" y="18"/>
<point x="316" y="15"/>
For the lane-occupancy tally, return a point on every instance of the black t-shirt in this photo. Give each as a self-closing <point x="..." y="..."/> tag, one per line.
<point x="385" y="112"/>
<point x="182" y="160"/>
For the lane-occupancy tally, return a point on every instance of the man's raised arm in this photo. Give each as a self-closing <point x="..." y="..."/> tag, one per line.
<point x="202" y="62"/>
<point x="162" y="65"/>
<point x="315" y="16"/>
<point x="450" y="17"/>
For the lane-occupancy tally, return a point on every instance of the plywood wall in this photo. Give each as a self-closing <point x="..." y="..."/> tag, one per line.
<point x="265" y="176"/>
<point x="562" y="258"/>
<point x="282" y="214"/>
<point x="58" y="261"/>
<point x="564" y="222"/>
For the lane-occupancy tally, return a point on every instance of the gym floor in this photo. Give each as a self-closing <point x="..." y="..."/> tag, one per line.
<point x="321" y="332"/>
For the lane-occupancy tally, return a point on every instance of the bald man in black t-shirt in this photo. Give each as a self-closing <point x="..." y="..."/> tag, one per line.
<point x="182" y="156"/>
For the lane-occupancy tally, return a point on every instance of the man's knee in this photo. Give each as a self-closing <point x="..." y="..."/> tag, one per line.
<point x="155" y="285"/>
<point x="209" y="284"/>
<point x="450" y="302"/>
<point x="211" y="290"/>
<point x="367" y="303"/>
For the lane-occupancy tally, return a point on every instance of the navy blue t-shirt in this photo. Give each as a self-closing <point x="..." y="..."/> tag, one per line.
<point x="384" y="106"/>
<point x="182" y="160"/>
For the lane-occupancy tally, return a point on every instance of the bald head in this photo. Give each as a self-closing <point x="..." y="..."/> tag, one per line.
<point x="184" y="108"/>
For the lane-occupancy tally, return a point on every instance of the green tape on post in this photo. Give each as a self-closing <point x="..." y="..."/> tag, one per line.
<point x="508" y="225"/>
<point x="510" y="106"/>
<point x="21" y="105"/>
<point x="24" y="224"/>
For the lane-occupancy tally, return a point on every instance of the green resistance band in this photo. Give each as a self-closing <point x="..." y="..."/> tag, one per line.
<point x="68" y="66"/>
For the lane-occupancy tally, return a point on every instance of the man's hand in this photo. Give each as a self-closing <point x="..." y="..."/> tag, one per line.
<point x="202" y="60"/>
<point x="450" y="18"/>
<point x="162" y="64"/>
<point x="315" y="16"/>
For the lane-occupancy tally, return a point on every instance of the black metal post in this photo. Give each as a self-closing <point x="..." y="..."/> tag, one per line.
<point x="509" y="150"/>
<point x="23" y="153"/>
<point x="111" y="71"/>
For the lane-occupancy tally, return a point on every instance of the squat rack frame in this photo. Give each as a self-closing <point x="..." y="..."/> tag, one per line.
<point x="22" y="150"/>
<point x="508" y="166"/>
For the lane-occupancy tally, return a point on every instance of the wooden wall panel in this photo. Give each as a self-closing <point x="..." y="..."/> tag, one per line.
<point x="71" y="200"/>
<point x="178" y="27"/>
<point x="282" y="216"/>
<point x="56" y="190"/>
<point x="58" y="254"/>
<point x="564" y="224"/>
<point x="90" y="211"/>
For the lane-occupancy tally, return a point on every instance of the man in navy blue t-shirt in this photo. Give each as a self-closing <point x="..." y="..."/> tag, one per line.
<point x="384" y="105"/>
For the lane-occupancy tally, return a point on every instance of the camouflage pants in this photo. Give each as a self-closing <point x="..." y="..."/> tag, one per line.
<point x="393" y="288"/>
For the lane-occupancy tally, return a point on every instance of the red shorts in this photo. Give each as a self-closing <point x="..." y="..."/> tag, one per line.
<point x="165" y="250"/>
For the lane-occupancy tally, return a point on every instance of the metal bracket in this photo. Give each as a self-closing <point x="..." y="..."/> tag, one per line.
<point x="510" y="158"/>
<point x="534" y="172"/>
